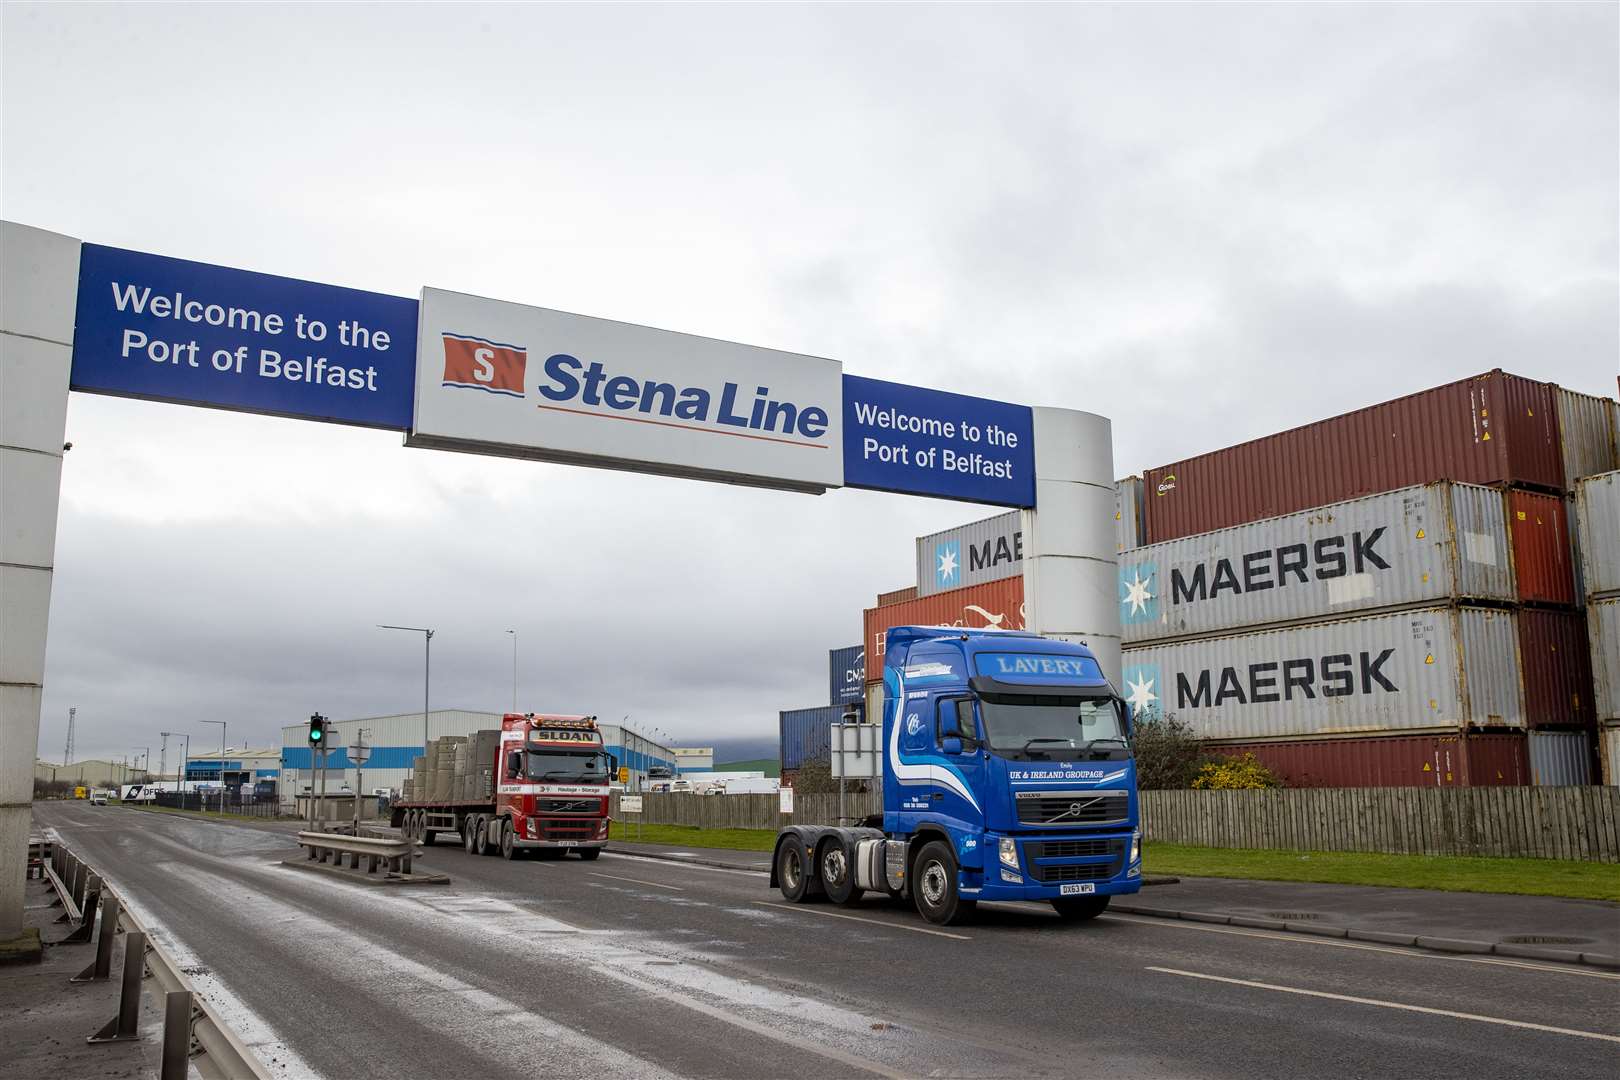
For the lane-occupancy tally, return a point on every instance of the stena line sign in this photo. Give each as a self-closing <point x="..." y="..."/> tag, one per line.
<point x="507" y="379"/>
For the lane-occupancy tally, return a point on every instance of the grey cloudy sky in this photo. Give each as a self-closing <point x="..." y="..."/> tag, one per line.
<point x="1206" y="222"/>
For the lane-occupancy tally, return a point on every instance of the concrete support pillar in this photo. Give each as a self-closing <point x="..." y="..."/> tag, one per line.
<point x="39" y="280"/>
<point x="1070" y="554"/>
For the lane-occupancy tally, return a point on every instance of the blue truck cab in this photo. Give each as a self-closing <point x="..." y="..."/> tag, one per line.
<point x="1007" y="775"/>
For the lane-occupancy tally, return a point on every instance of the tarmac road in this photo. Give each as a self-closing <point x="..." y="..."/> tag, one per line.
<point x="636" y="967"/>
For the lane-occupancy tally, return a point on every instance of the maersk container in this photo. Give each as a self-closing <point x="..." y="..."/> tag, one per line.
<point x="806" y="734"/>
<point x="1556" y="658"/>
<point x="846" y="674"/>
<point x="1588" y="433"/>
<point x="1434" y="669"/>
<point x="998" y="604"/>
<point x="1542" y="567"/>
<point x="1128" y="513"/>
<point x="1603" y="629"/>
<point x="1464" y="760"/>
<point x="1561" y="758"/>
<point x="1493" y="428"/>
<point x="970" y="554"/>
<point x="1406" y="548"/>
<point x="1597" y="515"/>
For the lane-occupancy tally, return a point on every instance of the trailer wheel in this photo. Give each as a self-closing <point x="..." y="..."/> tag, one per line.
<point x="589" y="853"/>
<point x="838" y="872"/>
<point x="508" y="847"/>
<point x="1079" y="908"/>
<point x="933" y="885"/>
<point x="792" y="869"/>
<point x="413" y="825"/>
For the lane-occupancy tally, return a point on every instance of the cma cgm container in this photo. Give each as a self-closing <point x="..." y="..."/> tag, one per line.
<point x="846" y="674"/>
<point x="1473" y="760"/>
<point x="1541" y="548"/>
<point x="1597" y="512"/>
<point x="1491" y="429"/>
<point x="1418" y="545"/>
<point x="1429" y="669"/>
<point x="970" y="554"/>
<point x="806" y="734"/>
<point x="1556" y="658"/>
<point x="997" y="604"/>
<point x="1603" y="627"/>
<point x="1588" y="433"/>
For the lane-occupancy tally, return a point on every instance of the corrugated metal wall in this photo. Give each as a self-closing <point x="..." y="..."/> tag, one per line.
<point x="1589" y="432"/>
<point x="1494" y="428"/>
<point x="1557" y="662"/>
<point x="1541" y="548"/>
<point x="1597" y="511"/>
<point x="1128" y="513"/>
<point x="1435" y="668"/>
<point x="998" y="604"/>
<point x="1609" y="754"/>
<point x="971" y="554"/>
<point x="1603" y="629"/>
<point x="1475" y="760"/>
<point x="1560" y="758"/>
<point x="806" y="734"/>
<point x="1414" y="546"/>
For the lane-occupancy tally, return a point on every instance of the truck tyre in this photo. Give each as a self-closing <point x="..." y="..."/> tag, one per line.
<point x="589" y="853"/>
<point x="792" y="870"/>
<point x="933" y="885"/>
<point x="413" y="825"/>
<point x="469" y="834"/>
<point x="509" y="849"/>
<point x="481" y="843"/>
<point x="1079" y="908"/>
<point x="837" y="871"/>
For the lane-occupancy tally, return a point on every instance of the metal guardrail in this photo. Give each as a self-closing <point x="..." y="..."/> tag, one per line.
<point x="394" y="853"/>
<point x="192" y="1033"/>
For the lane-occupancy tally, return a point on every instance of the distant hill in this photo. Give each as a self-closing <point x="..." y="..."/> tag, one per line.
<point x="769" y="766"/>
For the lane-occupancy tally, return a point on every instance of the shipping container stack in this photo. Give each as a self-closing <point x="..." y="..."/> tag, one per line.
<point x="1387" y="597"/>
<point x="806" y="734"/>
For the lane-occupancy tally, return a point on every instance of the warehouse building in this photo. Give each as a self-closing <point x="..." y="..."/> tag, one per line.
<point x="397" y="740"/>
<point x="234" y="767"/>
<point x="91" y="772"/>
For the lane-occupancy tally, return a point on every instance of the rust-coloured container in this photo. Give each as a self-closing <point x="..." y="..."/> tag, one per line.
<point x="899" y="596"/>
<point x="1538" y="526"/>
<point x="1472" y="760"/>
<point x="998" y="604"/>
<point x="1493" y="428"/>
<point x="1555" y="657"/>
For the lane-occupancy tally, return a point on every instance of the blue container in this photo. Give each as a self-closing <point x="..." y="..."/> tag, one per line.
<point x="807" y="733"/>
<point x="847" y="675"/>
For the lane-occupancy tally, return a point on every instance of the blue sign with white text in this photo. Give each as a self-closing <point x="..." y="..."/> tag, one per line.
<point x="928" y="442"/>
<point x="171" y="330"/>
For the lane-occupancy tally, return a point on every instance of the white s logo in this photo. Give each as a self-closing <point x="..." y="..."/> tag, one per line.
<point x="486" y="369"/>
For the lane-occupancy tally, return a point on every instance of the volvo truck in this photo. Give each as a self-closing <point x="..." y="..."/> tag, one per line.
<point x="1007" y="775"/>
<point x="539" y="783"/>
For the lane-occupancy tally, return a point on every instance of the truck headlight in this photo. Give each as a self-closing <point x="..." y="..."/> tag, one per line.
<point x="1009" y="852"/>
<point x="1136" y="846"/>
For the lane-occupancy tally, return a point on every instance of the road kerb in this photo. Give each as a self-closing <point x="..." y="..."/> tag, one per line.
<point x="1603" y="960"/>
<point x="1452" y="945"/>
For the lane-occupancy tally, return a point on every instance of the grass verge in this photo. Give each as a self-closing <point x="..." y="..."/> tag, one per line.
<point x="1525" y="877"/>
<point x="692" y="836"/>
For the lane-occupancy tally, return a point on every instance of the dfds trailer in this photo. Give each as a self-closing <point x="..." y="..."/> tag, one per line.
<point x="1006" y="776"/>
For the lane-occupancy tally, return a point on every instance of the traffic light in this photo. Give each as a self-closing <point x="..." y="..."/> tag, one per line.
<point x="317" y="730"/>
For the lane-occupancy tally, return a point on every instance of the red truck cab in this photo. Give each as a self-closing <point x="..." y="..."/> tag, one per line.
<point x="553" y="782"/>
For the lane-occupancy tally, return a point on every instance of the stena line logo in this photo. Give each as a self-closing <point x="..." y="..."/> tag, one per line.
<point x="589" y="389"/>
<point x="474" y="363"/>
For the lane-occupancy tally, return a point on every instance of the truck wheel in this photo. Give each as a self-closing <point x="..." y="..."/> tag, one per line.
<point x="792" y="870"/>
<point x="413" y="825"/>
<point x="838" y="872"/>
<point x="481" y="843"/>
<point x="469" y="834"/>
<point x="508" y="848"/>
<point x="1079" y="908"/>
<point x="933" y="884"/>
<point x="589" y="853"/>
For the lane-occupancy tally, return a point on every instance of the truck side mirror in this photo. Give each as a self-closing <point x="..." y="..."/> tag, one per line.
<point x="514" y="764"/>
<point x="952" y="744"/>
<point x="1124" y="712"/>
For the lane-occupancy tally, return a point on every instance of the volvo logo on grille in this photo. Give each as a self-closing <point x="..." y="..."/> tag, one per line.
<point x="1074" y="808"/>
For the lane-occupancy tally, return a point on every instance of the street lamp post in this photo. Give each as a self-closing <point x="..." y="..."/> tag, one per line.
<point x="180" y="773"/>
<point x="222" y="729"/>
<point x="427" y="670"/>
<point x="514" y="669"/>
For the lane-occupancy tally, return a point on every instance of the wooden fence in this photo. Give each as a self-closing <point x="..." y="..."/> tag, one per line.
<point x="1527" y="822"/>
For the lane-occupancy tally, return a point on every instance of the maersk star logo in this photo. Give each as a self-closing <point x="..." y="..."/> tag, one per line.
<point x="1141" y="696"/>
<point x="1136" y="596"/>
<point x="947" y="562"/>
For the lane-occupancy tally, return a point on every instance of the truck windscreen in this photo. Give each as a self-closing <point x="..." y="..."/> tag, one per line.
<point x="1019" y="725"/>
<point x="567" y="766"/>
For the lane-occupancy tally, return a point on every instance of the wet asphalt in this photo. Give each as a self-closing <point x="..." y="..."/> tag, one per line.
<point x="630" y="966"/>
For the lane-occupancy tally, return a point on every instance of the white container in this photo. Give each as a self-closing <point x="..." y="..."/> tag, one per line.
<point x="1561" y="758"/>
<point x="1588" y="434"/>
<point x="1603" y="628"/>
<point x="1433" y="669"/>
<point x="1405" y="548"/>
<point x="1609" y="754"/>
<point x="1597" y="521"/>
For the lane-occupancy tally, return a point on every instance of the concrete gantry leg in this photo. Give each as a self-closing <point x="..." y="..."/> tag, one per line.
<point x="1071" y="567"/>
<point x="39" y="276"/>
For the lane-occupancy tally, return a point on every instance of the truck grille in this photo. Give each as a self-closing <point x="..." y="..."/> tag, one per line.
<point x="1068" y="849"/>
<point x="1107" y="857"/>
<point x="562" y="829"/>
<point x="1072" y="807"/>
<point x="570" y="806"/>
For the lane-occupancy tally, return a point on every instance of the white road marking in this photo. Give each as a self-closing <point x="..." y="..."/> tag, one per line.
<point x="683" y="866"/>
<point x="1364" y="946"/>
<point x="638" y="881"/>
<point x="1391" y="1005"/>
<point x="799" y="908"/>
